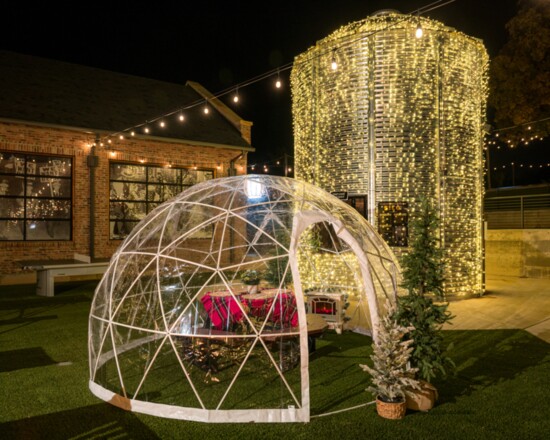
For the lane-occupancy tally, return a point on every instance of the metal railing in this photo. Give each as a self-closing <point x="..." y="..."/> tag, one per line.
<point x="518" y="212"/>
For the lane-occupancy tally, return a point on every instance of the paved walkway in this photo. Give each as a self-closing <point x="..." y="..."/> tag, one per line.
<point x="509" y="302"/>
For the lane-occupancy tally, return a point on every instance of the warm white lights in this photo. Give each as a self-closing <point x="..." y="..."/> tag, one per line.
<point x="146" y="130"/>
<point x="333" y="63"/>
<point x="399" y="121"/>
<point x="181" y="117"/>
<point x="419" y="31"/>
<point x="162" y="124"/>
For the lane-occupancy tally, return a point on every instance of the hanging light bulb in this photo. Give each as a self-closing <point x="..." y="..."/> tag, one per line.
<point x="334" y="64"/>
<point x="121" y="137"/>
<point x="146" y="129"/>
<point x="206" y="109"/>
<point x="278" y="83"/>
<point x="419" y="31"/>
<point x="132" y="133"/>
<point x="236" y="97"/>
<point x="162" y="124"/>
<point x="181" y="117"/>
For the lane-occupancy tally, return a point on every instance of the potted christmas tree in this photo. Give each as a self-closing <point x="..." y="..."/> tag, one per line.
<point x="392" y="374"/>
<point x="423" y="278"/>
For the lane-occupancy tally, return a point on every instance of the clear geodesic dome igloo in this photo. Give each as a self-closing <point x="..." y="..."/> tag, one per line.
<point x="176" y="329"/>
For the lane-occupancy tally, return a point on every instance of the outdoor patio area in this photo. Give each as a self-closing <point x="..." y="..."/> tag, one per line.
<point x="499" y="390"/>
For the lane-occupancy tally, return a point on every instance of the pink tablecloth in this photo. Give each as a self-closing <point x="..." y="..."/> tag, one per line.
<point x="224" y="310"/>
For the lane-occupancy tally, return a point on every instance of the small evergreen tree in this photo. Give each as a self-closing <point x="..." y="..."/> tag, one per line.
<point x="423" y="265"/>
<point x="428" y="354"/>
<point x="422" y="275"/>
<point x="391" y="373"/>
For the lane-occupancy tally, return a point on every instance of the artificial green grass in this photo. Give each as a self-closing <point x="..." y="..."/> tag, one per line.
<point x="500" y="389"/>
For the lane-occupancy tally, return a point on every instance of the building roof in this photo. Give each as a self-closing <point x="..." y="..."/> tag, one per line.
<point x="43" y="91"/>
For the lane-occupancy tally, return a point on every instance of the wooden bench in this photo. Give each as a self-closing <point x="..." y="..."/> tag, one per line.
<point x="48" y="270"/>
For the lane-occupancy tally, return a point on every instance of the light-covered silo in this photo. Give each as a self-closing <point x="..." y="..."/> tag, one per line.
<point x="384" y="118"/>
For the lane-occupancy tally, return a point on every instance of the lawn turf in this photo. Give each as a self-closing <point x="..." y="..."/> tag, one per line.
<point x="500" y="389"/>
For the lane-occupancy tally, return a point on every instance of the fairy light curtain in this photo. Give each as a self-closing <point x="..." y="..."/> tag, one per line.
<point x="383" y="111"/>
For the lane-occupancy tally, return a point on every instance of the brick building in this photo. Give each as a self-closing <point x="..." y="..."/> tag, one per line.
<point x="55" y="157"/>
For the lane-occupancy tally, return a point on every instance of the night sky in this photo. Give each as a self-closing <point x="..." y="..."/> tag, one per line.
<point x="222" y="44"/>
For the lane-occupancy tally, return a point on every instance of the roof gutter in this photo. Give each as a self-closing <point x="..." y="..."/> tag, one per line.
<point x="93" y="162"/>
<point x="90" y="131"/>
<point x="232" y="170"/>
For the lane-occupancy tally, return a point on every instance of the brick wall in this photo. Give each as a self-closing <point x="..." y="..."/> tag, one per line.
<point x="53" y="141"/>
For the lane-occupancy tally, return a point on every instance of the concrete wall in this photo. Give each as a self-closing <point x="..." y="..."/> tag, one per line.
<point x="518" y="252"/>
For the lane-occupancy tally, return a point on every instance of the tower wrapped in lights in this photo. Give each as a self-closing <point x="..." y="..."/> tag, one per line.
<point x="389" y="115"/>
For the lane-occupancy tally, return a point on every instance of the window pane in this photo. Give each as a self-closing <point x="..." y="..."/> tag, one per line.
<point x="160" y="193"/>
<point x="48" y="187"/>
<point x="48" y="230"/>
<point x="37" y="208"/>
<point x="12" y="185"/>
<point x="127" y="210"/>
<point x="127" y="191"/>
<point x="164" y="175"/>
<point x="204" y="175"/>
<point x="120" y="229"/>
<point x="48" y="166"/>
<point x="11" y="230"/>
<point x="12" y="163"/>
<point x="36" y="190"/>
<point x="191" y="177"/>
<point x="134" y="173"/>
<point x="151" y="206"/>
<point x="12" y="208"/>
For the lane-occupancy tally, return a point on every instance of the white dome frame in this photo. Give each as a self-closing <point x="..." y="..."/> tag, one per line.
<point x="308" y="201"/>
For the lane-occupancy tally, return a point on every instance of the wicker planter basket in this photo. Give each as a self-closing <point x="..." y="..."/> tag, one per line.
<point x="390" y="410"/>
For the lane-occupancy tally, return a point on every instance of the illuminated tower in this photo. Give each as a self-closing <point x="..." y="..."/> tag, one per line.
<point x="385" y="118"/>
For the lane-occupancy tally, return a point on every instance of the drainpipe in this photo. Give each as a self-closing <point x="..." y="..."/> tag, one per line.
<point x="93" y="162"/>
<point x="232" y="171"/>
